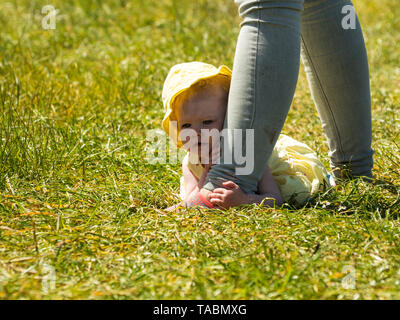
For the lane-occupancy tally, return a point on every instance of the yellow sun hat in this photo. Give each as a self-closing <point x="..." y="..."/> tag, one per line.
<point x="179" y="79"/>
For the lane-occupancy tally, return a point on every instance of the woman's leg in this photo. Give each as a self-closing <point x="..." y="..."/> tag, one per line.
<point x="336" y="65"/>
<point x="265" y="73"/>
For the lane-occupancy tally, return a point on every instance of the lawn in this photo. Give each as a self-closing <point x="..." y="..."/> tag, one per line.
<point x="81" y="209"/>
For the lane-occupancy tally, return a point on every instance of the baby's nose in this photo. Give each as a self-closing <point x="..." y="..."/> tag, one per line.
<point x="197" y="129"/>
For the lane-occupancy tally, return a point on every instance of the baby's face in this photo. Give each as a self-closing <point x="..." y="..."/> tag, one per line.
<point x="203" y="111"/>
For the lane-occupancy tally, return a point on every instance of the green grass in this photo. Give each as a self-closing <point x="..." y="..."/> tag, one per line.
<point x="77" y="197"/>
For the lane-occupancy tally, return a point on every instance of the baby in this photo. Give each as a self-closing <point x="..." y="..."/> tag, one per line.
<point x="195" y="97"/>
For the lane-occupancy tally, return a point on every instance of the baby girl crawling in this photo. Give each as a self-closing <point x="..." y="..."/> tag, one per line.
<point x="195" y="97"/>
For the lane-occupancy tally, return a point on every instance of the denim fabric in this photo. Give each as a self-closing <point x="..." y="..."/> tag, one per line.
<point x="274" y="35"/>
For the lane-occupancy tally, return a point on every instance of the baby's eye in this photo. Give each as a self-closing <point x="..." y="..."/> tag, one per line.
<point x="206" y="122"/>
<point x="186" y="125"/>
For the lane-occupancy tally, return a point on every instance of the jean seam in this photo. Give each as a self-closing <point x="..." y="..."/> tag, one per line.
<point x="255" y="70"/>
<point x="325" y="97"/>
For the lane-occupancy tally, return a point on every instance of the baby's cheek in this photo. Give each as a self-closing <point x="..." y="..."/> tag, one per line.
<point x="214" y="140"/>
<point x="184" y="146"/>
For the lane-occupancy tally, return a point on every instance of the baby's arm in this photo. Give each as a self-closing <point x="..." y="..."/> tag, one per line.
<point x="231" y="195"/>
<point x="192" y="184"/>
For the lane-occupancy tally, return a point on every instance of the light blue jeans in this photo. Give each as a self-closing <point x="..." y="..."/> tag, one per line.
<point x="274" y="35"/>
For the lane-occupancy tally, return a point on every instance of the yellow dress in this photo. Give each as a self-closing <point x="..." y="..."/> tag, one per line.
<point x="295" y="167"/>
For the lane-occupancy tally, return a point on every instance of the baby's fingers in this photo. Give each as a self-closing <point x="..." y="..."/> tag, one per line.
<point x="230" y="185"/>
<point x="217" y="203"/>
<point x="216" y="196"/>
<point x="219" y="190"/>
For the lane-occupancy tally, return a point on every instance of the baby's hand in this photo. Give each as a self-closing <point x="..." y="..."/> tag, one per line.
<point x="230" y="197"/>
